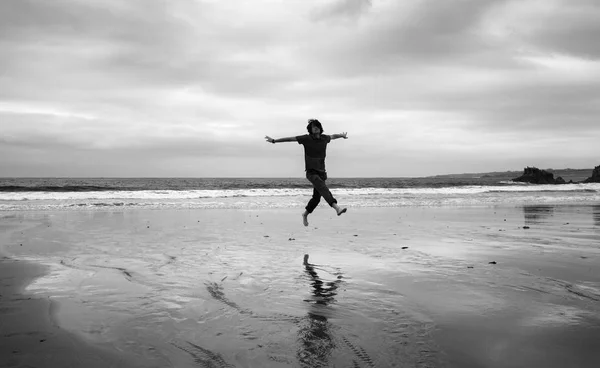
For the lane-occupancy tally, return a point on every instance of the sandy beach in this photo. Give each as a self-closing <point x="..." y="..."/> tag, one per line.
<point x="29" y="333"/>
<point x="479" y="286"/>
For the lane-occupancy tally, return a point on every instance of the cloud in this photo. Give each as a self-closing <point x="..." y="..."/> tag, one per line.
<point x="552" y="26"/>
<point x="397" y="35"/>
<point x="348" y="9"/>
<point x="190" y="80"/>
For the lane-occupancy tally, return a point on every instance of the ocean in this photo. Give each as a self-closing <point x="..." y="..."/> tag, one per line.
<point x="18" y="194"/>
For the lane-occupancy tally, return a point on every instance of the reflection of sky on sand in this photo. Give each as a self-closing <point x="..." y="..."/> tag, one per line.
<point x="535" y="214"/>
<point x="550" y="315"/>
<point x="220" y="284"/>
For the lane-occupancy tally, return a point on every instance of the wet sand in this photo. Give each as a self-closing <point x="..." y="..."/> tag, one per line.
<point x="29" y="334"/>
<point x="383" y="287"/>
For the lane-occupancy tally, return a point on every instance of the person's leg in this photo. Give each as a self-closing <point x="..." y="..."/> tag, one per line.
<point x="312" y="204"/>
<point x="318" y="181"/>
<point x="314" y="201"/>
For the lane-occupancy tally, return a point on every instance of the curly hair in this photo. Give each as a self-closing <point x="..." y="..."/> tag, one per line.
<point x="316" y="123"/>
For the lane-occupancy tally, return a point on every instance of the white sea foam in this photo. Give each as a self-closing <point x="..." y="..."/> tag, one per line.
<point x="295" y="197"/>
<point x="287" y="192"/>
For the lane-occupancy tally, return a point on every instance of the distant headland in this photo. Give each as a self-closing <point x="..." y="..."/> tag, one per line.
<point x="533" y="175"/>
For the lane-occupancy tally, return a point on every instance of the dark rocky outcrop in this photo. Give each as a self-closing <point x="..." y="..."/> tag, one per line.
<point x="534" y="175"/>
<point x="595" y="178"/>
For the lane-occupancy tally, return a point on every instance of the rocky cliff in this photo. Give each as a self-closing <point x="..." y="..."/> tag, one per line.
<point x="595" y="178"/>
<point x="534" y="175"/>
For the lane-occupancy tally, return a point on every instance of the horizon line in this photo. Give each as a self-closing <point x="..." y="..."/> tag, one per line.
<point x="275" y="177"/>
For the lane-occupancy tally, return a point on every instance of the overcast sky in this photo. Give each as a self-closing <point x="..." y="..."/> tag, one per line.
<point x="190" y="88"/>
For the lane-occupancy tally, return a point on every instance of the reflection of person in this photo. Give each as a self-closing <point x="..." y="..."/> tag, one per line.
<point x="596" y="214"/>
<point x="324" y="293"/>
<point x="316" y="341"/>
<point x="315" y="147"/>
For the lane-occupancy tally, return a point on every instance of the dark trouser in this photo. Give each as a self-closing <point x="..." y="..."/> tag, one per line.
<point x="317" y="178"/>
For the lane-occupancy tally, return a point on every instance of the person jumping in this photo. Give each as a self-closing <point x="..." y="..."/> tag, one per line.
<point x="315" y="147"/>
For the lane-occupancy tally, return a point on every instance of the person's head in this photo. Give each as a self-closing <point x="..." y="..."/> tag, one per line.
<point x="314" y="127"/>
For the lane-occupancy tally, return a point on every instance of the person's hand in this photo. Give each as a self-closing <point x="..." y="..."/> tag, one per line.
<point x="344" y="135"/>
<point x="269" y="139"/>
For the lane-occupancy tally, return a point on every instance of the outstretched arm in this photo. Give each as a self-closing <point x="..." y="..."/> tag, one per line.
<point x="279" y="140"/>
<point x="341" y="135"/>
